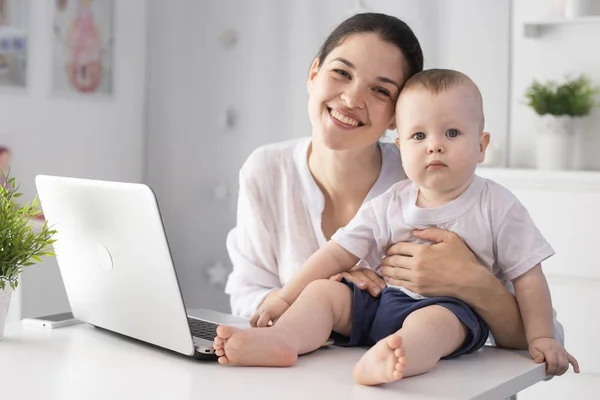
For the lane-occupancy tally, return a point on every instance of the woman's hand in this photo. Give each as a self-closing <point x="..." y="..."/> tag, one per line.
<point x="364" y="279"/>
<point x="443" y="268"/>
<point x="449" y="268"/>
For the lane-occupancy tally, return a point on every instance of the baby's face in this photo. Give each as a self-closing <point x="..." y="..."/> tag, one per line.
<point x="440" y="136"/>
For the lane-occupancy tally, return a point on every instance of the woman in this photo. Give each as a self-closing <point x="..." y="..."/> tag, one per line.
<point x="295" y="195"/>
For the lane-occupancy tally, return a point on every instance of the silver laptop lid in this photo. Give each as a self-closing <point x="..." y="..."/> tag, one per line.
<point x="114" y="259"/>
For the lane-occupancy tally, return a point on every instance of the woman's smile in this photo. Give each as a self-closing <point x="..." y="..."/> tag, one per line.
<point x="343" y="120"/>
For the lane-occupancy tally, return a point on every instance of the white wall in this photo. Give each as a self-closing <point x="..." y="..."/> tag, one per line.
<point x="474" y="37"/>
<point x="192" y="79"/>
<point x="75" y="136"/>
<point x="560" y="50"/>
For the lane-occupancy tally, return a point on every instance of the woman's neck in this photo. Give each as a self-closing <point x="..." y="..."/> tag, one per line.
<point x="344" y="176"/>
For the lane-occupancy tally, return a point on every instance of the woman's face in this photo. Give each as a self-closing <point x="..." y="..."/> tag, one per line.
<point x="352" y="94"/>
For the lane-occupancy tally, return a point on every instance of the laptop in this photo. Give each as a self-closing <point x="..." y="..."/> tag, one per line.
<point x="117" y="268"/>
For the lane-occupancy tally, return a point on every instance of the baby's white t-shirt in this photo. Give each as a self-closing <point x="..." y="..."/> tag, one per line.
<point x="487" y="217"/>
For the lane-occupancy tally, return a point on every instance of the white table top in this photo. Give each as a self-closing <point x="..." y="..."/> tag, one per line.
<point x="82" y="362"/>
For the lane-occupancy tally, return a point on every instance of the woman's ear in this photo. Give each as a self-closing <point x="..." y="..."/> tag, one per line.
<point x="314" y="68"/>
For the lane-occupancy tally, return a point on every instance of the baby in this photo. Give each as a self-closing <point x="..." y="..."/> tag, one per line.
<point x="440" y="123"/>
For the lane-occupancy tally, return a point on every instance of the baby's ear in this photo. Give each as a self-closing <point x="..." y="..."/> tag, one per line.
<point x="397" y="143"/>
<point x="484" y="141"/>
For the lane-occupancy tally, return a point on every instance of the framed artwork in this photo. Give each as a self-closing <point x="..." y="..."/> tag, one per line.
<point x="83" y="46"/>
<point x="14" y="18"/>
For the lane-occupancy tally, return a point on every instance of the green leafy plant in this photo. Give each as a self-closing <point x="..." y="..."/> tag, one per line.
<point x="20" y="245"/>
<point x="574" y="97"/>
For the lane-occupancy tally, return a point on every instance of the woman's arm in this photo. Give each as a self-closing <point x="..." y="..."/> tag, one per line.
<point x="255" y="272"/>
<point x="449" y="268"/>
<point x="495" y="304"/>
<point x="252" y="280"/>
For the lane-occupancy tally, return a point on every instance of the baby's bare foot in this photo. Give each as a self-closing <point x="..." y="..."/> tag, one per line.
<point x="266" y="347"/>
<point x="383" y="363"/>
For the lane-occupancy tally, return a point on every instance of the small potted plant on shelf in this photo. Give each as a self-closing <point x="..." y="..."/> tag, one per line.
<point x="561" y="106"/>
<point x="576" y="8"/>
<point x="21" y="245"/>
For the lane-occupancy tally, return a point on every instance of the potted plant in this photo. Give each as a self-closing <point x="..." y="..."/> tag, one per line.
<point x="20" y="244"/>
<point x="560" y="107"/>
<point x="576" y="8"/>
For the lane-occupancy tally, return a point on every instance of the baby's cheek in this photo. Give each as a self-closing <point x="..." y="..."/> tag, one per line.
<point x="410" y="168"/>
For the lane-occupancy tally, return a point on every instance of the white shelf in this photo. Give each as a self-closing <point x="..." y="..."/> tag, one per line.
<point x="571" y="181"/>
<point x="533" y="29"/>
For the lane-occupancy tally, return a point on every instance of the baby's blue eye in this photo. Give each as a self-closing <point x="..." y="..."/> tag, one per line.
<point x="452" y="133"/>
<point x="418" y="136"/>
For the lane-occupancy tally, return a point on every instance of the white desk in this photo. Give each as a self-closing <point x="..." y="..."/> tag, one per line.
<point x="82" y="362"/>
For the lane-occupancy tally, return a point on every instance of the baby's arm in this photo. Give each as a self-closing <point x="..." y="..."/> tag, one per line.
<point x="533" y="296"/>
<point x="329" y="260"/>
<point x="535" y="304"/>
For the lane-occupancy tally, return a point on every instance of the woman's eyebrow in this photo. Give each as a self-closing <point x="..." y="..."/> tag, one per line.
<point x="388" y="80"/>
<point x="379" y="78"/>
<point x="343" y="60"/>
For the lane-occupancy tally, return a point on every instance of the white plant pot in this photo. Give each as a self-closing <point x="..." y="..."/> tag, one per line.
<point x="576" y="8"/>
<point x="4" y="303"/>
<point x="555" y="141"/>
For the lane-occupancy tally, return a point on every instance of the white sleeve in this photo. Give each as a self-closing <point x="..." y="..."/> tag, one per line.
<point x="250" y="247"/>
<point x="519" y="245"/>
<point x="362" y="236"/>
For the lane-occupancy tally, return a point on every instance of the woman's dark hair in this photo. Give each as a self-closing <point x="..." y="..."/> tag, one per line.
<point x="390" y="29"/>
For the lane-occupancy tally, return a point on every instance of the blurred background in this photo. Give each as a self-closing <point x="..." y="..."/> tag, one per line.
<point x="177" y="94"/>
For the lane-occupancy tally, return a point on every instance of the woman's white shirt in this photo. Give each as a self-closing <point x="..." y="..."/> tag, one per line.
<point x="279" y="218"/>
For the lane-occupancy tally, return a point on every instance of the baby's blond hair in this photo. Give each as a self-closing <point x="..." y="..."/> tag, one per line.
<point x="440" y="80"/>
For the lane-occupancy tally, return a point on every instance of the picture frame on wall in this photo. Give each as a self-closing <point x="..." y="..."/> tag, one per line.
<point x="14" y="21"/>
<point x="83" y="47"/>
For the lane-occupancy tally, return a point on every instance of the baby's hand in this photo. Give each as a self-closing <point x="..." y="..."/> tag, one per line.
<point x="269" y="311"/>
<point x="556" y="357"/>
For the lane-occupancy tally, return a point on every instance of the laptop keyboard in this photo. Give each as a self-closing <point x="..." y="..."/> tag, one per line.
<point x="203" y="329"/>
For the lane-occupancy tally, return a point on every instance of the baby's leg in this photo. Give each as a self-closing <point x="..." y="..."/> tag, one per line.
<point x="427" y="335"/>
<point x="322" y="307"/>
